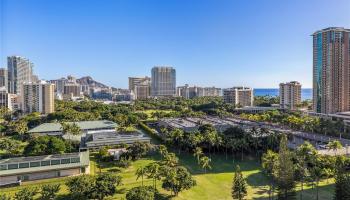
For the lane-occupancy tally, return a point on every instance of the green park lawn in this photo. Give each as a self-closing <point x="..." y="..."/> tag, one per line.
<point x="215" y="184"/>
<point x="150" y="113"/>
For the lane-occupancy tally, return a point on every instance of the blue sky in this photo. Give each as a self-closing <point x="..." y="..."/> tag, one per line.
<point x="210" y="42"/>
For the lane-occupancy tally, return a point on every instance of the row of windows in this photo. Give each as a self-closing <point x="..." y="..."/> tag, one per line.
<point x="39" y="163"/>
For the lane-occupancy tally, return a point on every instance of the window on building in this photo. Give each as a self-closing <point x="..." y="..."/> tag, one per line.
<point x="13" y="166"/>
<point x="75" y="160"/>
<point x="65" y="161"/>
<point x="55" y="162"/>
<point x="34" y="164"/>
<point x="45" y="163"/>
<point x="23" y="165"/>
<point x="3" y="167"/>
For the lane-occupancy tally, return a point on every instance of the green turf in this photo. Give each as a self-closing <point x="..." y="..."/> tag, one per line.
<point x="150" y="113"/>
<point x="216" y="184"/>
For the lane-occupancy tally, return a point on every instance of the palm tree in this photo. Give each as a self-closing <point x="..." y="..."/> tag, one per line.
<point x="140" y="172"/>
<point x="162" y="150"/>
<point x="198" y="153"/>
<point x="177" y="135"/>
<point x="268" y="162"/>
<point x="334" y="145"/>
<point x="70" y="129"/>
<point x="153" y="171"/>
<point x="305" y="153"/>
<point x="316" y="173"/>
<point x="75" y="129"/>
<point x="170" y="160"/>
<point x="205" y="163"/>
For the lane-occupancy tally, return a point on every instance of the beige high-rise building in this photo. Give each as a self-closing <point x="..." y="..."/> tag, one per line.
<point x="209" y="92"/>
<point x="142" y="91"/>
<point x="290" y="95"/>
<point x="190" y="92"/>
<point x="71" y="90"/>
<point x="331" y="70"/>
<point x="133" y="81"/>
<point x="239" y="96"/>
<point x="38" y="97"/>
<point x="5" y="98"/>
<point x="140" y="86"/>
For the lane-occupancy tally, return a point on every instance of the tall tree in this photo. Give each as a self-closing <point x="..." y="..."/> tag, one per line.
<point x="305" y="156"/>
<point x="268" y="164"/>
<point x="162" y="150"/>
<point x="140" y="172"/>
<point x="239" y="187"/>
<point x="170" y="160"/>
<point x="81" y="187"/>
<point x="205" y="163"/>
<point x="284" y="172"/>
<point x="197" y="153"/>
<point x="153" y="171"/>
<point x="106" y="185"/>
<point x="177" y="179"/>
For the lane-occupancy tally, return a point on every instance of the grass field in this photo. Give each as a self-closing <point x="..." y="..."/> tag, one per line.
<point x="216" y="184"/>
<point x="150" y="113"/>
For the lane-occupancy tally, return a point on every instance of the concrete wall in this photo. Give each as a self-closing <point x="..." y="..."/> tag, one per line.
<point x="42" y="175"/>
<point x="70" y="172"/>
<point x="8" y="180"/>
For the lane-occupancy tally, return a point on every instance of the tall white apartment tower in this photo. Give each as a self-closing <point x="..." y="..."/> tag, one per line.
<point x="290" y="95"/>
<point x="163" y="81"/>
<point x="20" y="70"/>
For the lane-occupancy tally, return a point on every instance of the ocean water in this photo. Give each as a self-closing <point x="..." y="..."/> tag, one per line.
<point x="306" y="93"/>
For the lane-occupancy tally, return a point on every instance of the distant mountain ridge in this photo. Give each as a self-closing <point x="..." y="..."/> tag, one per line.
<point x="88" y="80"/>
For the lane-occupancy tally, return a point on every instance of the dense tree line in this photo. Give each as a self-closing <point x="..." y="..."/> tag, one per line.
<point x="298" y="121"/>
<point x="286" y="168"/>
<point x="233" y="140"/>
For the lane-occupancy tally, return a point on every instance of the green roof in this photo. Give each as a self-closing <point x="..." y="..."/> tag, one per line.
<point x="84" y="125"/>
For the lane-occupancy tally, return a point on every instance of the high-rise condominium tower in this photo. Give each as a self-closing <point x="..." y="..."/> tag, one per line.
<point x="38" y="97"/>
<point x="133" y="81"/>
<point x="141" y="86"/>
<point x="239" y="96"/>
<point x="331" y="70"/>
<point x="290" y="95"/>
<point x="20" y="70"/>
<point x="3" y="78"/>
<point x="163" y="81"/>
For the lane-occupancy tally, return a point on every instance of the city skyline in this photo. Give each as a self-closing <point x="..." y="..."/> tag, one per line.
<point x="203" y="38"/>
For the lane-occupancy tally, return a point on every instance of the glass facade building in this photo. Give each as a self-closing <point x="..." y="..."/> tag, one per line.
<point x="331" y="70"/>
<point x="163" y="81"/>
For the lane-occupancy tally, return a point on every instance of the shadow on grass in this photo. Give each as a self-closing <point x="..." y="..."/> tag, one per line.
<point x="326" y="192"/>
<point x="219" y="163"/>
<point x="160" y="196"/>
<point x="257" y="179"/>
<point x="64" y="197"/>
<point x="114" y="170"/>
